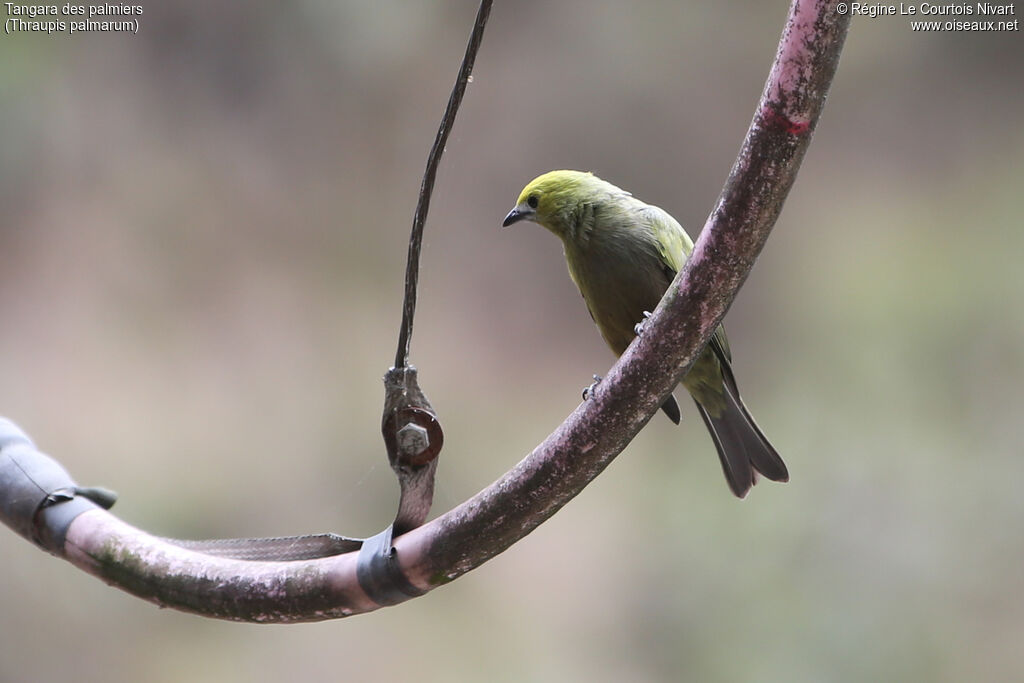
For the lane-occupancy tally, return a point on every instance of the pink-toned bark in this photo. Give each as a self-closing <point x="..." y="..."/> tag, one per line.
<point x="589" y="439"/>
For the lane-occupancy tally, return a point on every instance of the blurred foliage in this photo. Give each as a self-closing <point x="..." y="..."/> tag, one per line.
<point x="203" y="239"/>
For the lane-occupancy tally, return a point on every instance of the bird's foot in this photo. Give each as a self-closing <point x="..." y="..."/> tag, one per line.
<point x="589" y="391"/>
<point x="638" y="329"/>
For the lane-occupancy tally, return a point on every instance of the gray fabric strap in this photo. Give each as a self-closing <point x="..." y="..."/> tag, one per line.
<point x="40" y="498"/>
<point x="379" y="574"/>
<point x="277" y="549"/>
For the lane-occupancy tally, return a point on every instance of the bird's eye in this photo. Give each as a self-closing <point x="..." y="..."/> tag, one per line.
<point x="532" y="201"/>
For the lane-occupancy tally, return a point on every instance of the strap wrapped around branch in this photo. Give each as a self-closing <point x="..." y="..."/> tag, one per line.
<point x="40" y="498"/>
<point x="413" y="438"/>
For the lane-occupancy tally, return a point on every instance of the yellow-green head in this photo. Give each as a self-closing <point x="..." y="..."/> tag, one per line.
<point x="553" y="199"/>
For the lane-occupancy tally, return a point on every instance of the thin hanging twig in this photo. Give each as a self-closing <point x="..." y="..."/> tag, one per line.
<point x="412" y="268"/>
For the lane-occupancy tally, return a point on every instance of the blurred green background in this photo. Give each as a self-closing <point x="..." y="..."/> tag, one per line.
<point x="202" y="243"/>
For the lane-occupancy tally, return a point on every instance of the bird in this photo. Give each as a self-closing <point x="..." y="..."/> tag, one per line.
<point x="623" y="254"/>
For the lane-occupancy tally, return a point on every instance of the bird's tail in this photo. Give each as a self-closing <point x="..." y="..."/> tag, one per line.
<point x="742" y="448"/>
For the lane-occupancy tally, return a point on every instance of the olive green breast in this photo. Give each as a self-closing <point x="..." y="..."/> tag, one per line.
<point x="621" y="274"/>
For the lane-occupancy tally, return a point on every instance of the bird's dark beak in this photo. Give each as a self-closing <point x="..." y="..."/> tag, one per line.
<point x="514" y="216"/>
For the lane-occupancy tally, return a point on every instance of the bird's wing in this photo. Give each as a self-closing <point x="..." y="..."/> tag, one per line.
<point x="675" y="246"/>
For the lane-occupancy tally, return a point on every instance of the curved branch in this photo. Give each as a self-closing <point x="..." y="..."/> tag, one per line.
<point x="560" y="467"/>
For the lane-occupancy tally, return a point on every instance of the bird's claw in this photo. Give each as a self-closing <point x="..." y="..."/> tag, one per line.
<point x="588" y="392"/>
<point x="638" y="329"/>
